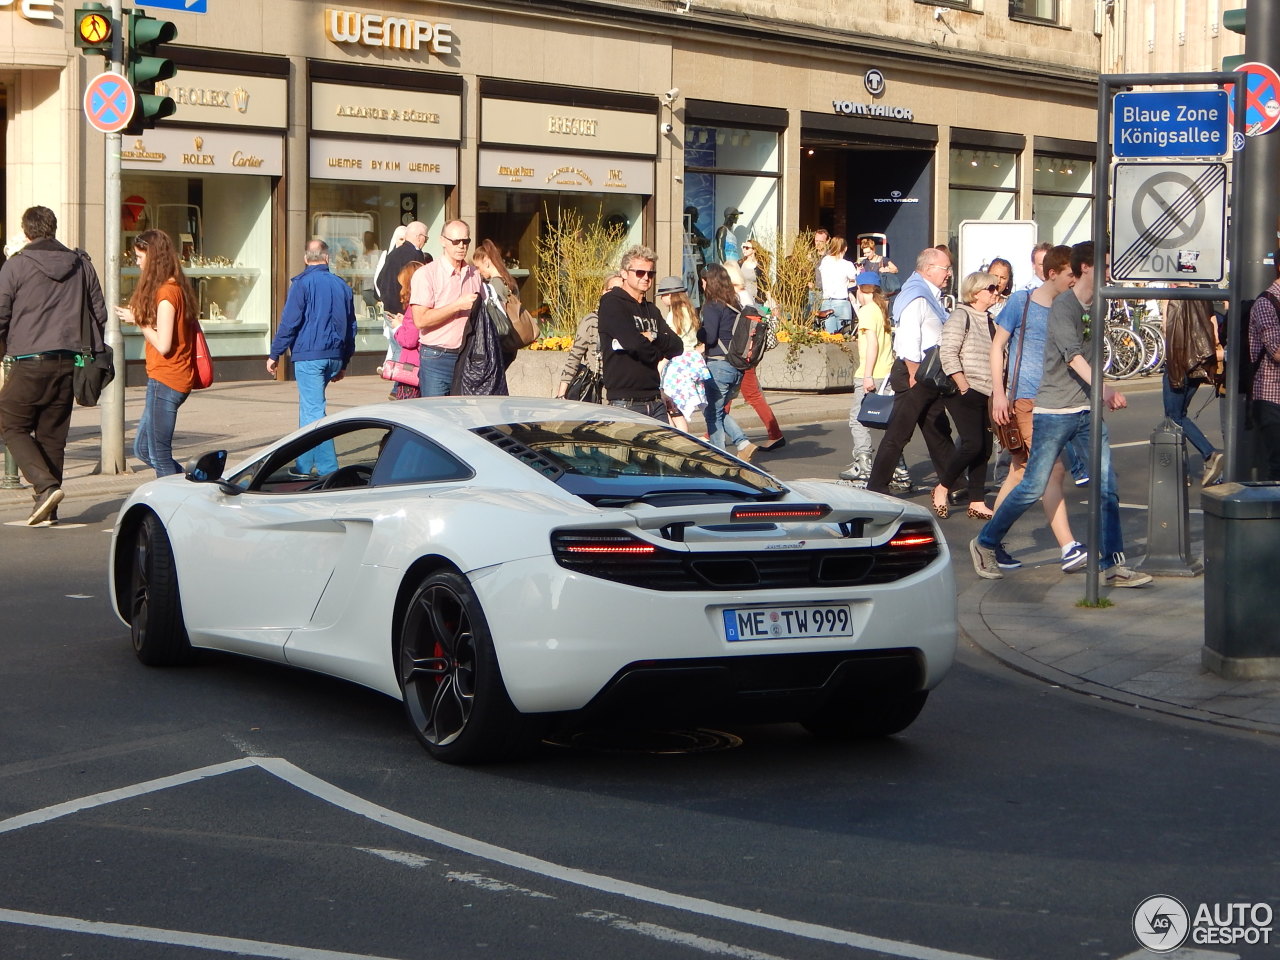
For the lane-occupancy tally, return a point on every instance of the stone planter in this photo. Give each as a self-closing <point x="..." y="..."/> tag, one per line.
<point x="821" y="368"/>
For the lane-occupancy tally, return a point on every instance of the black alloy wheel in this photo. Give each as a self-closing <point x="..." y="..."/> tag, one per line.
<point x="155" y="607"/>
<point x="453" y="690"/>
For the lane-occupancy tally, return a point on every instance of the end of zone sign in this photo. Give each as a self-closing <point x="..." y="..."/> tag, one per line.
<point x="1185" y="123"/>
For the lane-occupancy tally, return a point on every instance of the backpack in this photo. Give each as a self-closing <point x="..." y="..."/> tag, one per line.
<point x="749" y="339"/>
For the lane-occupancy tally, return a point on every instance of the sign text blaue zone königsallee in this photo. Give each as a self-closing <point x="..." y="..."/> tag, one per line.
<point x="1185" y="123"/>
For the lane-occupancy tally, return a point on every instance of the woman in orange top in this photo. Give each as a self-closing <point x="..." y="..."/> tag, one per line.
<point x="163" y="307"/>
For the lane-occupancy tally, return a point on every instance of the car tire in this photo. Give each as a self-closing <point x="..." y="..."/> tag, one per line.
<point x="453" y="692"/>
<point x="155" y="607"/>
<point x="866" y="717"/>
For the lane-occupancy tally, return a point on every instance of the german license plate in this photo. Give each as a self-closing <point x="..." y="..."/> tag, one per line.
<point x="808" y="622"/>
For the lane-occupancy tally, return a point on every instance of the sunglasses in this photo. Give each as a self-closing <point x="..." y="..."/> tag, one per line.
<point x="461" y="241"/>
<point x="645" y="273"/>
<point x="993" y="288"/>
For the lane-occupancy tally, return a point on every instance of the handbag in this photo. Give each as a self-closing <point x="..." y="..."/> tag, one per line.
<point x="94" y="368"/>
<point x="876" y="410"/>
<point x="930" y="372"/>
<point x="1007" y="434"/>
<point x="203" y="361"/>
<point x="585" y="385"/>
<point x="401" y="371"/>
<point x="524" y="329"/>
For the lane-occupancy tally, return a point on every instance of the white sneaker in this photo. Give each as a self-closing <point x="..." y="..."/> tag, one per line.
<point x="984" y="561"/>
<point x="1213" y="468"/>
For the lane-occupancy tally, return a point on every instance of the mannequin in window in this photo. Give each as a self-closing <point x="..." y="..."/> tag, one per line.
<point x="726" y="240"/>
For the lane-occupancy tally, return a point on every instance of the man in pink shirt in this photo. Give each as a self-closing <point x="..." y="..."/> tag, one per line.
<point x="441" y="295"/>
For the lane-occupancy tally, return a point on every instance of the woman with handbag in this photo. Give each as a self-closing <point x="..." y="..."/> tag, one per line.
<point x="965" y="351"/>
<point x="583" y="375"/>
<point x="403" y="371"/>
<point x="163" y="307"/>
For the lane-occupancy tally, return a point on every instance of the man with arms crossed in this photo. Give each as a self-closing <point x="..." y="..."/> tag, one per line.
<point x="1061" y="414"/>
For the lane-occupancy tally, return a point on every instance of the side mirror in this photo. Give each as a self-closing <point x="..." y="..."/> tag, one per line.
<point x="208" y="467"/>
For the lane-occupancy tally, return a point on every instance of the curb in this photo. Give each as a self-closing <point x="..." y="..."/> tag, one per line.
<point x="973" y="628"/>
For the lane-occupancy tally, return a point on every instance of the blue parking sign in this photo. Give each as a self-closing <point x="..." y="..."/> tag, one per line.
<point x="185" y="6"/>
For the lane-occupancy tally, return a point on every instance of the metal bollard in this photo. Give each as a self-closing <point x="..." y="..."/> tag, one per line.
<point x="1168" y="530"/>
<point x="9" y="481"/>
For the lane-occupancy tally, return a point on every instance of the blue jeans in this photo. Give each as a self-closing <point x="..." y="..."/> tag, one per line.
<point x="435" y="373"/>
<point x="153" y="443"/>
<point x="313" y="377"/>
<point x="843" y="314"/>
<point x="1176" y="404"/>
<point x="650" y="408"/>
<point x="721" y="389"/>
<point x="1050" y="434"/>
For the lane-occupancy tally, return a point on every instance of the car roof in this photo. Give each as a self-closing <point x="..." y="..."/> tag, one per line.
<point x="466" y="413"/>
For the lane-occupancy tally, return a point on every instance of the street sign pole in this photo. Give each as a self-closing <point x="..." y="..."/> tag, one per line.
<point x="1252" y="261"/>
<point x="112" y="403"/>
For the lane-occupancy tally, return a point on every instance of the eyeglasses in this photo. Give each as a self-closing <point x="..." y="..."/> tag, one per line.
<point x="461" y="241"/>
<point x="645" y="273"/>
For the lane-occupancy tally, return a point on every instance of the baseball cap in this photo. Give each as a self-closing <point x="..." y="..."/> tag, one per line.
<point x="732" y="212"/>
<point x="868" y="278"/>
<point x="671" y="285"/>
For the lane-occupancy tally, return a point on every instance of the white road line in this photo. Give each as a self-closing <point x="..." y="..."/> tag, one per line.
<point x="415" y="861"/>
<point x="201" y="941"/>
<point x="494" y="886"/>
<point x="1183" y="953"/>
<point x="124" y="793"/>
<point x="668" y="935"/>
<point x="326" y="791"/>
<point x="323" y="790"/>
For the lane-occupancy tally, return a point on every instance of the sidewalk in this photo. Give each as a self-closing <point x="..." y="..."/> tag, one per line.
<point x="1144" y="651"/>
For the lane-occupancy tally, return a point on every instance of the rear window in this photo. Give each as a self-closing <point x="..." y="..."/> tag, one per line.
<point x="608" y="461"/>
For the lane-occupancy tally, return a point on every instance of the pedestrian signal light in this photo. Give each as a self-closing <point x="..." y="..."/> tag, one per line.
<point x="94" y="29"/>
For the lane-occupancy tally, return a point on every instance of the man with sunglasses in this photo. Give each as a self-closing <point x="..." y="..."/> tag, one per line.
<point x="634" y="338"/>
<point x="440" y="298"/>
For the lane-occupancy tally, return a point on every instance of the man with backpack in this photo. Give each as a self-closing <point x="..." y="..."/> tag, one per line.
<point x="1264" y="356"/>
<point x="634" y="338"/>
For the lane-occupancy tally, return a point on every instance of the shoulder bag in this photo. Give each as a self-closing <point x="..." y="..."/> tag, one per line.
<point x="930" y="372"/>
<point x="586" y="386"/>
<point x="203" y="360"/>
<point x="94" y="368"/>
<point x="1007" y="434"/>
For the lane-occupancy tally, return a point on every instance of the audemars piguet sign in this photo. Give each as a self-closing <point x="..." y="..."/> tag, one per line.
<point x="31" y="9"/>
<point x="391" y="33"/>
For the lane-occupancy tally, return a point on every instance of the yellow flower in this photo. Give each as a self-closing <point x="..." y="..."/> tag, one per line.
<point x="552" y="343"/>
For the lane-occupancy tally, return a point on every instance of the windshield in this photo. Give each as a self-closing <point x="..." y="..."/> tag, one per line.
<point x="611" y="462"/>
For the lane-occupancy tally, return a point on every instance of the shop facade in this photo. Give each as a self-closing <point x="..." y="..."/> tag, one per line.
<point x="690" y="135"/>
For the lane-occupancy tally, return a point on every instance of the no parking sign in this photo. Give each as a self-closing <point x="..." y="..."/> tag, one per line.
<point x="1262" y="98"/>
<point x="109" y="102"/>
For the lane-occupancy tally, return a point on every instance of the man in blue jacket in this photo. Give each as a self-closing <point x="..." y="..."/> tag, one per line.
<point x="318" y="328"/>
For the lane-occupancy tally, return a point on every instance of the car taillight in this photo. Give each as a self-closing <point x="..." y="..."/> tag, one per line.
<point x="912" y="535"/>
<point x="755" y="513"/>
<point x="600" y="543"/>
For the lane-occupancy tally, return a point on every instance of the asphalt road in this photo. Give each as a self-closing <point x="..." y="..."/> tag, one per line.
<point x="238" y="808"/>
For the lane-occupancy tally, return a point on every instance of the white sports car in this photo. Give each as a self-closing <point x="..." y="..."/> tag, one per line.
<point x="511" y="566"/>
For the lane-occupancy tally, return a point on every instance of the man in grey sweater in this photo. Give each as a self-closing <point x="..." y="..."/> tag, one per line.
<point x="1062" y="414"/>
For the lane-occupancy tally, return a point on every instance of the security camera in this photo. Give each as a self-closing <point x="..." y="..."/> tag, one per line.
<point x="665" y="128"/>
<point x="937" y="13"/>
<point x="670" y="95"/>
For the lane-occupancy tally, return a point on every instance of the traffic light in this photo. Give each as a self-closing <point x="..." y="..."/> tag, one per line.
<point x="1236" y="21"/>
<point x="144" y="66"/>
<point x="94" y="29"/>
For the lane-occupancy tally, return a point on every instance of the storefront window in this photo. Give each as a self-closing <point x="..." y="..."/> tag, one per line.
<point x="222" y="227"/>
<point x="731" y="192"/>
<point x="1045" y="11"/>
<point x="356" y="220"/>
<point x="984" y="186"/>
<point x="515" y="220"/>
<point x="1063" y="198"/>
